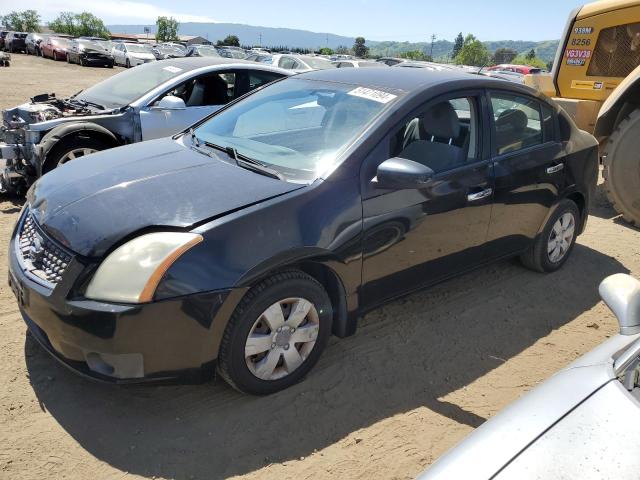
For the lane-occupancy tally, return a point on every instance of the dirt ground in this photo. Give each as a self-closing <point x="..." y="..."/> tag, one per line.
<point x="420" y="374"/>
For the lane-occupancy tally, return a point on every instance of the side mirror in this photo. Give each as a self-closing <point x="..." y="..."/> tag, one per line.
<point x="400" y="173"/>
<point x="170" y="102"/>
<point x="621" y="293"/>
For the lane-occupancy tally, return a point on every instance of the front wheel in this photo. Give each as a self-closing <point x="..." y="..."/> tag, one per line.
<point x="128" y="63"/>
<point x="553" y="246"/>
<point x="71" y="150"/>
<point x="276" y="334"/>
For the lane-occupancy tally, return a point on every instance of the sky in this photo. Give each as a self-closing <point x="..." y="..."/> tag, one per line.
<point x="408" y="20"/>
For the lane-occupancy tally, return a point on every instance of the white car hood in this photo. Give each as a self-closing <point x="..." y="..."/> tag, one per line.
<point x="496" y="443"/>
<point x="142" y="56"/>
<point x="599" y="439"/>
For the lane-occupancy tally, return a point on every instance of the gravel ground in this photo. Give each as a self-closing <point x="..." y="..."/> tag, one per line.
<point x="419" y="375"/>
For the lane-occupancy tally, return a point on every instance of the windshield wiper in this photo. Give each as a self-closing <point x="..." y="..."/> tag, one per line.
<point x="242" y="160"/>
<point x="86" y="102"/>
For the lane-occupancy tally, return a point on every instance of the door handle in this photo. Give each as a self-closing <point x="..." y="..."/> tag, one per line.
<point x="474" y="197"/>
<point x="555" y="168"/>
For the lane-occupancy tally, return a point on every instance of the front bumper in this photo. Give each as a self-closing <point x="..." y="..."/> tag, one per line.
<point x="97" y="60"/>
<point x="176" y="338"/>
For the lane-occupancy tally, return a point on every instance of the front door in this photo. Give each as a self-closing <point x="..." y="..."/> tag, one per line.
<point x="419" y="236"/>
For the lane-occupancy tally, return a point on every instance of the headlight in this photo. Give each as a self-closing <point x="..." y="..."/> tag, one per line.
<point x="132" y="272"/>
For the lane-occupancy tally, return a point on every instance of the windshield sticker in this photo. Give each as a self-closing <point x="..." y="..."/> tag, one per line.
<point x="172" y="69"/>
<point x="372" y="94"/>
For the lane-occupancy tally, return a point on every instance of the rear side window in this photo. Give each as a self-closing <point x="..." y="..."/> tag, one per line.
<point x="617" y="51"/>
<point x="517" y="122"/>
<point x="548" y="123"/>
<point x="288" y="63"/>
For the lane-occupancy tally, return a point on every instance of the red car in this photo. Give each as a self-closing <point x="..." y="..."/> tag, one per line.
<point x="55" y="47"/>
<point x="523" y="69"/>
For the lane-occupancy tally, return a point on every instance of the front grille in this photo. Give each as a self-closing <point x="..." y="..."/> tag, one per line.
<point x="40" y="255"/>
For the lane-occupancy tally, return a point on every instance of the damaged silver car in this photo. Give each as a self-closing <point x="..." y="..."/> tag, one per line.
<point x="151" y="101"/>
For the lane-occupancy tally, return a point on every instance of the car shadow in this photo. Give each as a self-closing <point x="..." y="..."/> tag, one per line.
<point x="408" y="354"/>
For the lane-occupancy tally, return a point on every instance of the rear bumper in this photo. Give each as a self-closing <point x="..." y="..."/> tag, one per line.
<point x="175" y="338"/>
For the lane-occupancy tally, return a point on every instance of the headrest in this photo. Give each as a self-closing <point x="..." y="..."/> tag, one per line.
<point x="512" y="119"/>
<point x="441" y="121"/>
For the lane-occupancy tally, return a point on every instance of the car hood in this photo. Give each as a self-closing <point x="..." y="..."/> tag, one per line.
<point x="91" y="204"/>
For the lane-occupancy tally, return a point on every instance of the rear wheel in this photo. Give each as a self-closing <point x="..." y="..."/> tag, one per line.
<point x="553" y="246"/>
<point x="276" y="334"/>
<point x="622" y="168"/>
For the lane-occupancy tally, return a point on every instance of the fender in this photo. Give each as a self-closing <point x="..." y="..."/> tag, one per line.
<point x="66" y="130"/>
<point x="624" y="99"/>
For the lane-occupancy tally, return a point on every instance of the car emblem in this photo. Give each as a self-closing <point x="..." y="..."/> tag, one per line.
<point x="36" y="250"/>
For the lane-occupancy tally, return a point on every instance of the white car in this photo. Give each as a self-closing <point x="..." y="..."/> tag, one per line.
<point x="359" y="64"/>
<point x="300" y="63"/>
<point x="582" y="423"/>
<point x="132" y="54"/>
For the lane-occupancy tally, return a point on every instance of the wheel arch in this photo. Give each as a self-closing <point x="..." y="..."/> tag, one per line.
<point x="63" y="133"/>
<point x="325" y="270"/>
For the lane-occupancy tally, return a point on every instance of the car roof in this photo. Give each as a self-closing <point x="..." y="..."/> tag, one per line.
<point x="405" y="79"/>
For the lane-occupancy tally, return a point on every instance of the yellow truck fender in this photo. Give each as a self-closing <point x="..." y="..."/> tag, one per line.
<point x="618" y="105"/>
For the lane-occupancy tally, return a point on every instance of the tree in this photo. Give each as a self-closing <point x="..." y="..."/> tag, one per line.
<point x="416" y="55"/>
<point x="167" y="29"/>
<point x="230" y="40"/>
<point x="325" y="51"/>
<point x="25" y="21"/>
<point x="342" y="50"/>
<point x="531" y="54"/>
<point x="473" y="52"/>
<point x="533" y="62"/>
<point x="457" y="45"/>
<point x="360" y="50"/>
<point x="83" y="24"/>
<point x="504" y="55"/>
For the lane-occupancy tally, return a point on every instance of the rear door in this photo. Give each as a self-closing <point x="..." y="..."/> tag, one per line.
<point x="528" y="162"/>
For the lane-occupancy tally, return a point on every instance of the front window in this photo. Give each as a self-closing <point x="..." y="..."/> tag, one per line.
<point x="297" y="127"/>
<point x="130" y="85"/>
<point x="517" y="122"/>
<point x="318" y="63"/>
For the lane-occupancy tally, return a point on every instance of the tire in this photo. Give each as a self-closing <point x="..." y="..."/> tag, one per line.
<point x="539" y="257"/>
<point x="56" y="156"/>
<point x="68" y="58"/>
<point x="110" y="65"/>
<point x="294" y="286"/>
<point x="622" y="168"/>
<point x="127" y="63"/>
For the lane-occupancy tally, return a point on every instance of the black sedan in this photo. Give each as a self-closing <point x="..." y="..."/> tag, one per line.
<point x="88" y="52"/>
<point x="242" y="244"/>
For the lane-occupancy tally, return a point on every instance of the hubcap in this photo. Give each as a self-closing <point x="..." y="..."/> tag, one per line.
<point x="282" y="338"/>
<point x="561" y="237"/>
<point x="76" y="153"/>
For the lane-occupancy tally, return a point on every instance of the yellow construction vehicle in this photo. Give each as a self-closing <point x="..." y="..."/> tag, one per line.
<point x="596" y="78"/>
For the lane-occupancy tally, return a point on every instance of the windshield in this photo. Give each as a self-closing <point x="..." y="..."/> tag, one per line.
<point x="106" y="44"/>
<point x="296" y="127"/>
<point x="62" y="42"/>
<point x="130" y="85"/>
<point x="138" y="48"/>
<point x="233" y="53"/>
<point x="318" y="63"/>
<point x="170" y="49"/>
<point x="207" y="51"/>
<point x="91" y="44"/>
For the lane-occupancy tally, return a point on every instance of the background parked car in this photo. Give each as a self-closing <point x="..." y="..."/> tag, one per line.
<point x="15" y="42"/>
<point x="521" y="69"/>
<point x="89" y="52"/>
<point x="301" y="63"/>
<point x="582" y="423"/>
<point x="231" y="52"/>
<point x="3" y="34"/>
<point x="163" y="51"/>
<point x="202" y="51"/>
<point x="359" y="64"/>
<point x="33" y="41"/>
<point x="132" y="54"/>
<point x="260" y="57"/>
<point x="151" y="101"/>
<point x="55" y="48"/>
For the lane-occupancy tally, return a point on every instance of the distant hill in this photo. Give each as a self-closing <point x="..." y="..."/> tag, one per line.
<point x="252" y="35"/>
